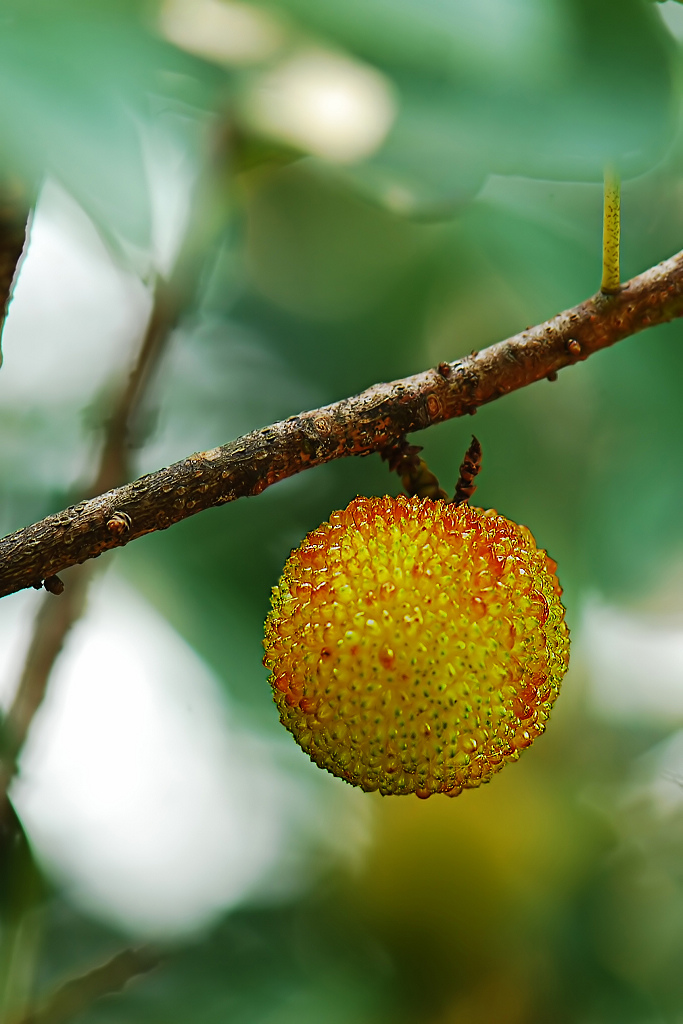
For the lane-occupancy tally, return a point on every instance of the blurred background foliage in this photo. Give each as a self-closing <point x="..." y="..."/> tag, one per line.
<point x="390" y="183"/>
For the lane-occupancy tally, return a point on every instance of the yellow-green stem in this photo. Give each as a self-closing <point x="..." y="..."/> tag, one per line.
<point x="611" y="232"/>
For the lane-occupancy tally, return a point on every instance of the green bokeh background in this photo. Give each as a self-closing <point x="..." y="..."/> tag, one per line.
<point x="553" y="894"/>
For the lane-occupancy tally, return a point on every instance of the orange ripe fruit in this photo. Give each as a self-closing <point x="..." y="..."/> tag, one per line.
<point x="415" y="646"/>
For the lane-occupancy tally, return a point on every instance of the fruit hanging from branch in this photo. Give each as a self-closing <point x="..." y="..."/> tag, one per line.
<point x="417" y="645"/>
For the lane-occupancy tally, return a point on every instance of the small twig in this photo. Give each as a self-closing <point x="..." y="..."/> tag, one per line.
<point x="79" y="993"/>
<point x="370" y="422"/>
<point x="611" y="233"/>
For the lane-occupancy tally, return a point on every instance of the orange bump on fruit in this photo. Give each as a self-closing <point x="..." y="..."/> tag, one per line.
<point x="416" y="646"/>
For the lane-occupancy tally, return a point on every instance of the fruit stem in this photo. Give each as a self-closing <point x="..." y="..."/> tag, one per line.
<point x="471" y="464"/>
<point x="416" y="476"/>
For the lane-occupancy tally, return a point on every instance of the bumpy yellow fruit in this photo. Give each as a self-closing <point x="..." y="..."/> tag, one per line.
<point x="415" y="646"/>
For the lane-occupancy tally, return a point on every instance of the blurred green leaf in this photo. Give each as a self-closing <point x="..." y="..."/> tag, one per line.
<point x="543" y="88"/>
<point x="84" y="83"/>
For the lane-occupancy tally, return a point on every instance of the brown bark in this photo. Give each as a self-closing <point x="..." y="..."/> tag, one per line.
<point x="369" y="422"/>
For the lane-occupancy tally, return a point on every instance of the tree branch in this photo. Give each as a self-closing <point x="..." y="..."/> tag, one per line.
<point x="79" y="993"/>
<point x="366" y="423"/>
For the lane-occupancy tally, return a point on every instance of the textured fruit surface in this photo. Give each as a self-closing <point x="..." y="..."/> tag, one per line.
<point x="415" y="646"/>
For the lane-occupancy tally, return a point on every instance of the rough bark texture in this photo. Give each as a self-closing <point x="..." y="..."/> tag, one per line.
<point x="369" y="422"/>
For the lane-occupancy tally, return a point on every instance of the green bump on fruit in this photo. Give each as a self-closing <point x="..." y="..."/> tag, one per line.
<point x="416" y="646"/>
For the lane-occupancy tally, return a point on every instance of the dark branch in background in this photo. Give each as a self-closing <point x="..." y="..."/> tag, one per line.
<point x="377" y="419"/>
<point x="78" y="994"/>
<point x="14" y="222"/>
<point x="55" y="618"/>
<point x="169" y="300"/>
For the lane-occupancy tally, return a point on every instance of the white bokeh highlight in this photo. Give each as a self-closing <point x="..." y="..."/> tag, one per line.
<point x="221" y="30"/>
<point x="662" y="769"/>
<point x="325" y="104"/>
<point x="74" y="324"/>
<point x="75" y="316"/>
<point x="671" y="13"/>
<point x="144" y="799"/>
<point x="634" y="663"/>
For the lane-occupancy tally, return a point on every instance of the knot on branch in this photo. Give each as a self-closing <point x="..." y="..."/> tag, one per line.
<point x="119" y="524"/>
